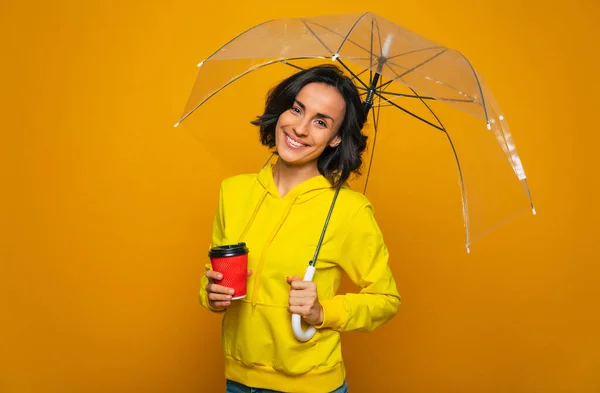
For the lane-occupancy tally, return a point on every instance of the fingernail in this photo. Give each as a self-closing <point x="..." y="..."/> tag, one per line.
<point x="228" y="297"/>
<point x="231" y="291"/>
<point x="219" y="276"/>
<point x="227" y="303"/>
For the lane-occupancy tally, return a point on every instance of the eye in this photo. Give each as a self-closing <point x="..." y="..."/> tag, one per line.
<point x="295" y="109"/>
<point x="321" y="124"/>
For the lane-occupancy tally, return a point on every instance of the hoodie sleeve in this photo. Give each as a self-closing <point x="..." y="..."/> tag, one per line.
<point x="218" y="234"/>
<point x="364" y="257"/>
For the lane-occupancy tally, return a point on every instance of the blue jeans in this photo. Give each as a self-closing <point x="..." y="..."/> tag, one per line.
<point x="234" y="387"/>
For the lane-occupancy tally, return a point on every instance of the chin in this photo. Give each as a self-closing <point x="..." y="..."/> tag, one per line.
<point x="293" y="159"/>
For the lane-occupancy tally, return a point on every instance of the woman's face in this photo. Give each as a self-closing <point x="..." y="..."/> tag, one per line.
<point x="310" y="125"/>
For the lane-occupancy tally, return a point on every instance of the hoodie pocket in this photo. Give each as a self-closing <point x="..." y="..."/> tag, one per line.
<point x="298" y="357"/>
<point x="262" y="336"/>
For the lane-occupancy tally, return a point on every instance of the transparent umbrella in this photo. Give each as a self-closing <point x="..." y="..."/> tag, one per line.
<point x="403" y="73"/>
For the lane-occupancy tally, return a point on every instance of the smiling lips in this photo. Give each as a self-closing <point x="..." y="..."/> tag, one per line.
<point x="293" y="143"/>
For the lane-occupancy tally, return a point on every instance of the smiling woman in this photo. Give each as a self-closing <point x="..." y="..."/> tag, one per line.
<point x="313" y="120"/>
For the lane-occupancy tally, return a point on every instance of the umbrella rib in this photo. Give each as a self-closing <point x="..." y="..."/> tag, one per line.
<point x="357" y="75"/>
<point x="360" y="73"/>
<point x="350" y="32"/>
<point x="402" y="94"/>
<point x="416" y="50"/>
<point x="430" y="110"/>
<point x="316" y="36"/>
<point x="408" y="70"/>
<point x="478" y="85"/>
<point x="292" y="65"/>
<point x="460" y="173"/>
<point x="410" y="113"/>
<point x="345" y="37"/>
<point x="351" y="72"/>
<point x="472" y="100"/>
<point x="464" y="192"/>
<point x="427" y="97"/>
<point x="423" y="102"/>
<point x="422" y="63"/>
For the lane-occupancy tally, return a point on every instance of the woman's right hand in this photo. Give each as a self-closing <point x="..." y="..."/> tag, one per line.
<point x="219" y="297"/>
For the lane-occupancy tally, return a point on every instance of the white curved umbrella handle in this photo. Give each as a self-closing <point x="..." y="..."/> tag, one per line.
<point x="297" y="319"/>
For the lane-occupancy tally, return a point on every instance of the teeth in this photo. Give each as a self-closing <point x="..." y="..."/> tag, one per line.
<point x="293" y="142"/>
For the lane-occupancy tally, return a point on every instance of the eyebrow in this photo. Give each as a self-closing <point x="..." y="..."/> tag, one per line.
<point x="324" y="116"/>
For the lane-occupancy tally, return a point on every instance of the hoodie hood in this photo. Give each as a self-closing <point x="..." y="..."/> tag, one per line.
<point x="303" y="192"/>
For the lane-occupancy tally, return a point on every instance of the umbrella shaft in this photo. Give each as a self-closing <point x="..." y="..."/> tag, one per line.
<point x="369" y="100"/>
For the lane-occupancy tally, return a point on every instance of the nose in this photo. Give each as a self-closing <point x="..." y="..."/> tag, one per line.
<point x="301" y="128"/>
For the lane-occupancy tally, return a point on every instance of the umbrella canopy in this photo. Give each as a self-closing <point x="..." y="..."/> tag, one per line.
<point x="404" y="71"/>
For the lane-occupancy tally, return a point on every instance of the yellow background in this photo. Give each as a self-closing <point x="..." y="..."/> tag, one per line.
<point x="106" y="209"/>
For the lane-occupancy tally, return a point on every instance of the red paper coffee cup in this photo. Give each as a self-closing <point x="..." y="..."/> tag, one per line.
<point x="232" y="262"/>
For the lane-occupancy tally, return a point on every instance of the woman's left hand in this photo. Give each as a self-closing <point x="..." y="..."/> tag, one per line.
<point x="304" y="300"/>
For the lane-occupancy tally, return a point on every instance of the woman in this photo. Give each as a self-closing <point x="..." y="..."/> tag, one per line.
<point x="314" y="121"/>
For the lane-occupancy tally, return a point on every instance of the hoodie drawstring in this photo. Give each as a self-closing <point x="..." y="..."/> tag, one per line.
<point x="261" y="261"/>
<point x="253" y="216"/>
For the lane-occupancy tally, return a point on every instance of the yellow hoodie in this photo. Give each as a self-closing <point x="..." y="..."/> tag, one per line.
<point x="282" y="234"/>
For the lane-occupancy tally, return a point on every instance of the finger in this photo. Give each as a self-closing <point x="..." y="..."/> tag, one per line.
<point x="303" y="285"/>
<point x="301" y="302"/>
<point x="249" y="272"/>
<point x="300" y="310"/>
<point x="215" y="288"/>
<point x="212" y="275"/>
<point x="303" y="293"/>
<point x="291" y="279"/>
<point x="218" y="296"/>
<point x="220" y="304"/>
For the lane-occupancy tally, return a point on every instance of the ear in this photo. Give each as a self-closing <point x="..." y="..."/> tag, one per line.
<point x="335" y="141"/>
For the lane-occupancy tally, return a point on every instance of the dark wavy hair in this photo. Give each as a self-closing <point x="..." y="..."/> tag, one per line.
<point x="335" y="163"/>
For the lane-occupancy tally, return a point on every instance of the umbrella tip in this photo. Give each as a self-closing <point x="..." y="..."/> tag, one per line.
<point x="335" y="57"/>
<point x="489" y="126"/>
<point x="468" y="249"/>
<point x="200" y="64"/>
<point x="176" y="125"/>
<point x="533" y="210"/>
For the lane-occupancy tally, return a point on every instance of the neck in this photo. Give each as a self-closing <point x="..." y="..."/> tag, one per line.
<point x="287" y="176"/>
